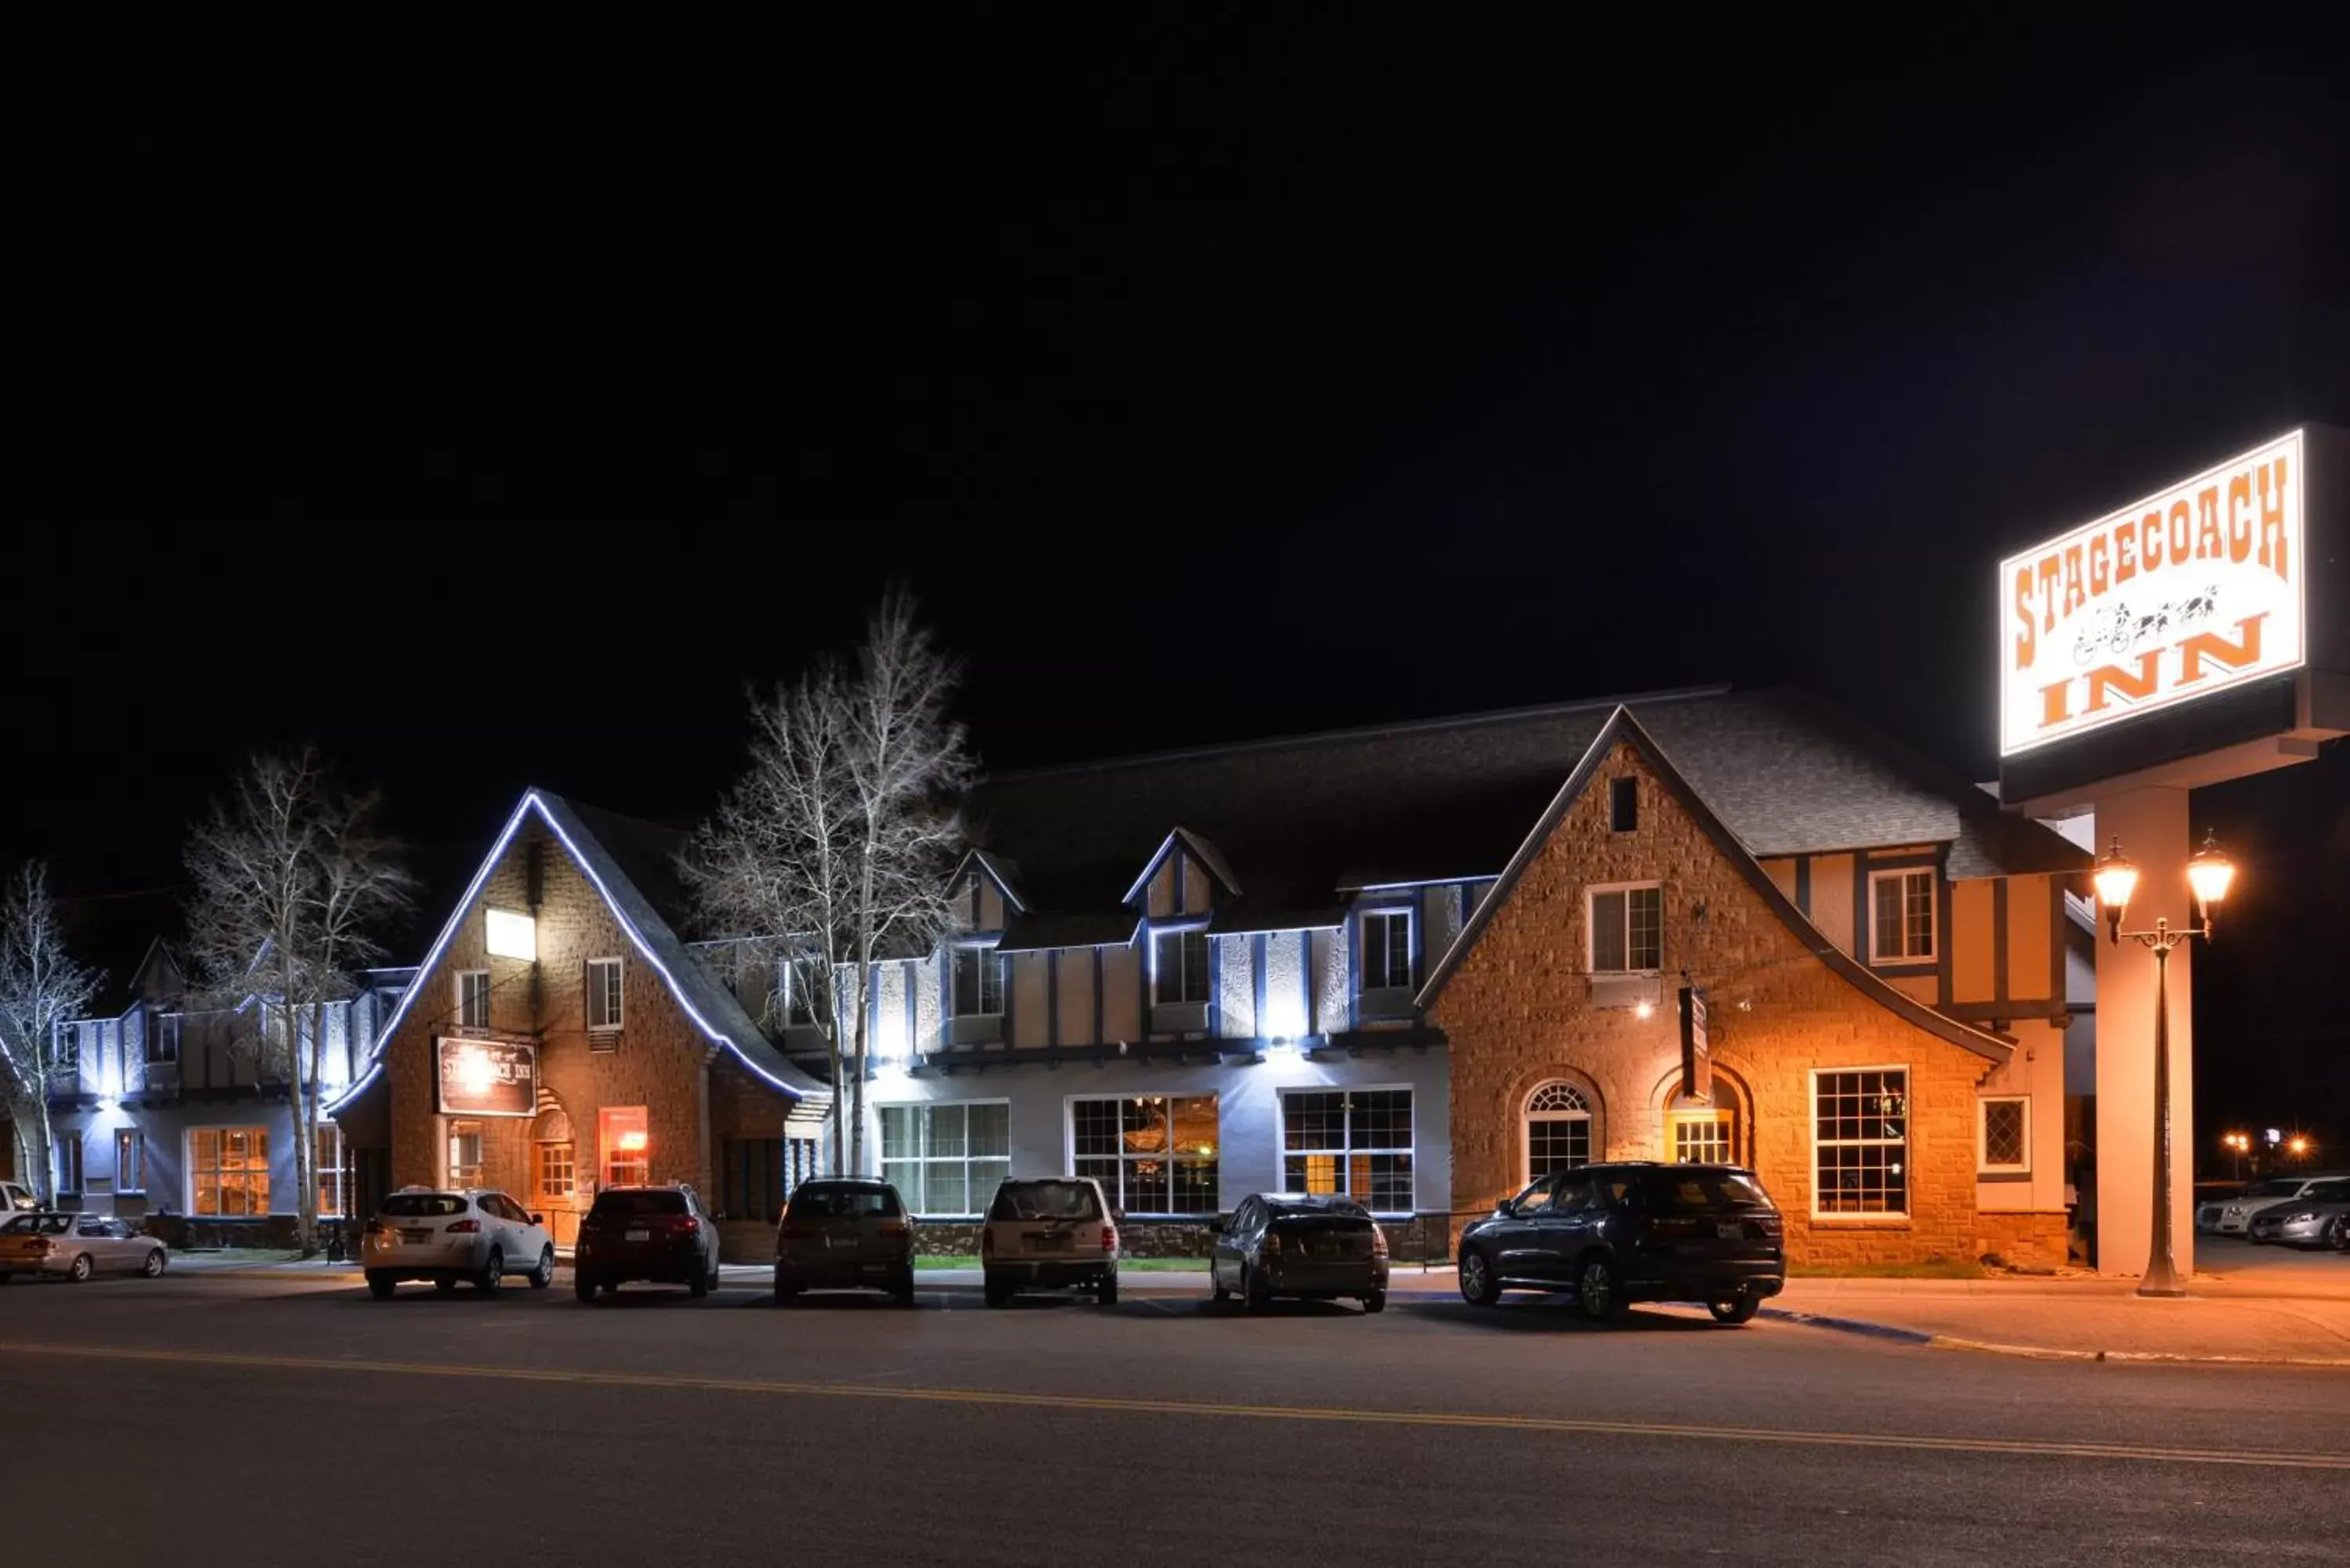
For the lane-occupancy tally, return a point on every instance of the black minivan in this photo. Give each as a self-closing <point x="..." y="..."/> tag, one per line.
<point x="1633" y="1232"/>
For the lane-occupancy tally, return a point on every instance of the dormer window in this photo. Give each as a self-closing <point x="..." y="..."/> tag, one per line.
<point x="1179" y="967"/>
<point x="1387" y="950"/>
<point x="976" y="983"/>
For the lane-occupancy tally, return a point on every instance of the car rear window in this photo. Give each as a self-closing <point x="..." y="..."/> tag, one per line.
<point x="40" y="1224"/>
<point x="640" y="1203"/>
<point x="1699" y="1190"/>
<point x="423" y="1205"/>
<point x="2272" y="1189"/>
<point x="818" y="1201"/>
<point x="1045" y="1201"/>
<point x="1338" y="1212"/>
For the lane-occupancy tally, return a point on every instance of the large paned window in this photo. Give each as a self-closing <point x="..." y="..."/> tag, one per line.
<point x="1627" y="926"/>
<point x="604" y="993"/>
<point x="1355" y="1141"/>
<point x="332" y="1170"/>
<point x="228" y="1171"/>
<point x="1387" y="950"/>
<point x="1179" y="967"/>
<point x="624" y="1140"/>
<point x="947" y="1159"/>
<point x="751" y="1185"/>
<point x="1903" y="920"/>
<point x="1860" y="1141"/>
<point x="1153" y="1154"/>
<point x="1558" y="1130"/>
<point x="557" y="1177"/>
<point x="975" y="987"/>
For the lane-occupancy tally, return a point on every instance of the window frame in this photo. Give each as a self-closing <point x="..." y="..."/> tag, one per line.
<point x="1182" y="936"/>
<point x="465" y="1127"/>
<point x="917" y="1200"/>
<point x="1723" y="1116"/>
<point x="1384" y="914"/>
<point x="250" y="1164"/>
<point x="619" y="1000"/>
<point x="1984" y="1165"/>
<point x="795" y="1000"/>
<point x="464" y="1016"/>
<point x="1876" y="880"/>
<point x="132" y="1142"/>
<point x="1861" y="1216"/>
<point x="160" y="1040"/>
<point x="67" y="1162"/>
<point x="1171" y="1156"/>
<point x="1345" y="1156"/>
<point x="339" y="1170"/>
<point x="1592" y="894"/>
<point x="1528" y="1117"/>
<point x="612" y="1122"/>
<point x="1622" y="791"/>
<point x="543" y="1194"/>
<point x="985" y="959"/>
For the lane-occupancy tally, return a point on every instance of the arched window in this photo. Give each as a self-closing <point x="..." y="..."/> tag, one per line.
<point x="1558" y="1130"/>
<point x="1697" y="1133"/>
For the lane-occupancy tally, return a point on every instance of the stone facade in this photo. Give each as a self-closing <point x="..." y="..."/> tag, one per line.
<point x="1520" y="1010"/>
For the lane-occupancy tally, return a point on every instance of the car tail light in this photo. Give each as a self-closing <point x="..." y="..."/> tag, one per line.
<point x="44" y="1247"/>
<point x="893" y="1226"/>
<point x="1770" y="1223"/>
<point x="986" y="1243"/>
<point x="688" y="1225"/>
<point x="465" y="1227"/>
<point x="1378" y="1243"/>
<point x="1109" y="1239"/>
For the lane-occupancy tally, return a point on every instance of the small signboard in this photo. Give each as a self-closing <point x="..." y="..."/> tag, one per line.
<point x="1696" y="1061"/>
<point x="484" y="1078"/>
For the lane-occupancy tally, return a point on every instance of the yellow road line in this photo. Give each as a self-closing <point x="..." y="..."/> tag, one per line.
<point x="1452" y="1419"/>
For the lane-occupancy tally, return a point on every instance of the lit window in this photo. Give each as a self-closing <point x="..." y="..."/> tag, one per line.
<point x="1351" y="1141"/>
<point x="947" y="1159"/>
<point x="977" y="983"/>
<point x="1627" y="928"/>
<point x="557" y="1172"/>
<point x="474" y="999"/>
<point x="464" y="1154"/>
<point x="333" y="1173"/>
<point x="603" y="993"/>
<point x="1178" y="968"/>
<point x="228" y="1171"/>
<point x="1558" y="1130"/>
<point x="130" y="1160"/>
<point x="1860" y="1141"/>
<point x="1903" y="915"/>
<point x="507" y="934"/>
<point x="1701" y="1135"/>
<point x="2006" y="1145"/>
<point x="1153" y="1154"/>
<point x="624" y="1139"/>
<point x="1387" y="950"/>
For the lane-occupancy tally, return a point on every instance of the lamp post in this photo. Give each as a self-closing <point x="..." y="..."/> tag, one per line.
<point x="2236" y="1144"/>
<point x="2209" y="874"/>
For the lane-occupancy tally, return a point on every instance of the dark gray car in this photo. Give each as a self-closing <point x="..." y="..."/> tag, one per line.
<point x="1313" y="1247"/>
<point x="841" y="1233"/>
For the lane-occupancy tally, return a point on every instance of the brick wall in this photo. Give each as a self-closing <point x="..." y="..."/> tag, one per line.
<point x="1519" y="1012"/>
<point x="2027" y="1240"/>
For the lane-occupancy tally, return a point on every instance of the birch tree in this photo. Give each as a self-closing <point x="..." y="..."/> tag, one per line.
<point x="839" y="839"/>
<point x="291" y="879"/>
<point x="41" y="987"/>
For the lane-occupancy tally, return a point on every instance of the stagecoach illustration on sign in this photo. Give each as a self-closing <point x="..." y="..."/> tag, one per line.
<point x="2117" y="628"/>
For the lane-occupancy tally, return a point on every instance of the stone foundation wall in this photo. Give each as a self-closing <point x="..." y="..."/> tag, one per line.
<point x="2027" y="1240"/>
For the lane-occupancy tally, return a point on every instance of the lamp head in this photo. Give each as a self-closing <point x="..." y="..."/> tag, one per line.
<point x="2115" y="879"/>
<point x="2211" y="874"/>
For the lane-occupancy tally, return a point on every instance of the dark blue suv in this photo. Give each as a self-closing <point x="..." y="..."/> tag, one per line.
<point x="1633" y="1232"/>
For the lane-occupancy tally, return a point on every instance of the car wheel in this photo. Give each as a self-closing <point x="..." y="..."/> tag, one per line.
<point x="381" y="1286"/>
<point x="1376" y="1302"/>
<point x="1216" y="1291"/>
<point x="1256" y="1289"/>
<point x="82" y="1269"/>
<point x="995" y="1292"/>
<point x="1599" y="1289"/>
<point x="902" y="1287"/>
<point x="494" y="1272"/>
<point x="444" y="1286"/>
<point x="1735" y="1309"/>
<point x="153" y="1267"/>
<point x="544" y="1275"/>
<point x="1105" y="1293"/>
<point x="583" y="1286"/>
<point x="1480" y="1285"/>
<point x="698" y="1286"/>
<point x="2338" y="1237"/>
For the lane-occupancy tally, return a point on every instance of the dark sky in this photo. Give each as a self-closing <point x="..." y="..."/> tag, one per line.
<point x="1209" y="377"/>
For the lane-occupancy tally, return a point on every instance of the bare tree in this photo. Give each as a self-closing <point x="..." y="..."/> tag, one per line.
<point x="838" y="840"/>
<point x="291" y="878"/>
<point x="41" y="987"/>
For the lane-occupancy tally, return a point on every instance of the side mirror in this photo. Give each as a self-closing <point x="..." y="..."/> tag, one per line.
<point x="538" y="1218"/>
<point x="1506" y="1207"/>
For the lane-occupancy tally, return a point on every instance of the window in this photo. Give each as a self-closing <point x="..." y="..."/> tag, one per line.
<point x="946" y="1158"/>
<point x="799" y="1000"/>
<point x="69" y="1049"/>
<point x="977" y="983"/>
<point x="559" y="1171"/>
<point x="1153" y="1154"/>
<point x="69" y="1160"/>
<point x="2006" y="1135"/>
<point x="1179" y="967"/>
<point x="1558" y="1130"/>
<point x="750" y="1183"/>
<point x="1387" y="950"/>
<point x="464" y="1154"/>
<point x="1622" y="806"/>
<point x="1703" y="1136"/>
<point x="624" y="1139"/>
<point x="1860" y="1141"/>
<point x="1627" y="926"/>
<point x="162" y="1039"/>
<point x="228" y="1171"/>
<point x="130" y="1160"/>
<point x="1904" y="919"/>
<point x="1355" y="1141"/>
<point x="474" y="999"/>
<point x="604" y="993"/>
<point x="333" y="1173"/>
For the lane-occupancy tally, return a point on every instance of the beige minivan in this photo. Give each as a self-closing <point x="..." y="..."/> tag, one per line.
<point x="1054" y="1232"/>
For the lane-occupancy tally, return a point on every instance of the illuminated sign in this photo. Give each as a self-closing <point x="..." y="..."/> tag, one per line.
<point x="2195" y="589"/>
<point x="480" y="1078"/>
<point x="509" y="935"/>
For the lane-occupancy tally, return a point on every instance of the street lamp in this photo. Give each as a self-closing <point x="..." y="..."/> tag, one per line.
<point x="2209" y="874"/>
<point x="2238" y="1145"/>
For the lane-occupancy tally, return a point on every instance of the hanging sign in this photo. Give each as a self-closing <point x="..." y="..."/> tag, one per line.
<point x="480" y="1078"/>
<point x="1697" y="1059"/>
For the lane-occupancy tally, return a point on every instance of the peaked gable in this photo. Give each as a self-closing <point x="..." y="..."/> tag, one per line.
<point x="1623" y="729"/>
<point x="1185" y="841"/>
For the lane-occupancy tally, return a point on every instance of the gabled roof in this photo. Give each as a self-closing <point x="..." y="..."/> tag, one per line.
<point x="1623" y="728"/>
<point x="1199" y="848"/>
<point x="583" y="831"/>
<point x="1004" y="873"/>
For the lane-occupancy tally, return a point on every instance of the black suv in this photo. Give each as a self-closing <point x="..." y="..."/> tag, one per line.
<point x="1615" y="1235"/>
<point x="658" y="1233"/>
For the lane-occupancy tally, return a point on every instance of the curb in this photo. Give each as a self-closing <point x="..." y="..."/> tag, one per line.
<point x="2038" y="1352"/>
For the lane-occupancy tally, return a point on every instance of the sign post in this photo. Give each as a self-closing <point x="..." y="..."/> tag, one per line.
<point x="1696" y="1057"/>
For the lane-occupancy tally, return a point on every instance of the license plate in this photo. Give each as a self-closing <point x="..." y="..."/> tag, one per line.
<point x="638" y="1236"/>
<point x="1052" y="1242"/>
<point x="416" y="1237"/>
<point x="1729" y="1230"/>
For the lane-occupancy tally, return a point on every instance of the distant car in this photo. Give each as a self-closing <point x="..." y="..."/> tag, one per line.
<point x="15" y="1198"/>
<point x="77" y="1246"/>
<point x="1311" y="1247"/>
<point x="475" y="1234"/>
<point x="1049" y="1233"/>
<point x="2318" y="1218"/>
<point x="658" y="1233"/>
<point x="844" y="1233"/>
<point x="1618" y="1234"/>
<point x="2236" y="1213"/>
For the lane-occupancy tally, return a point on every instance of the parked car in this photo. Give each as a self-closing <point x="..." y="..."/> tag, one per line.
<point x="15" y="1198"/>
<point x="844" y="1233"/>
<point x="1312" y="1247"/>
<point x="1049" y="1233"/>
<point x="1618" y="1234"/>
<point x="2236" y="1213"/>
<point x="661" y="1234"/>
<point x="2317" y="1217"/>
<point x="477" y="1234"/>
<point x="77" y="1246"/>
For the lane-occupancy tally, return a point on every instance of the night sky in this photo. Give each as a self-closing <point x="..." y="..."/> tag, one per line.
<point x="1208" y="379"/>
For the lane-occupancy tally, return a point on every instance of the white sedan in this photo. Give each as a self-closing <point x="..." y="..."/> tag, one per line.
<point x="476" y="1234"/>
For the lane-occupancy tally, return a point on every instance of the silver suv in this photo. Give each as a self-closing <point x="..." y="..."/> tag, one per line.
<point x="1049" y="1233"/>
